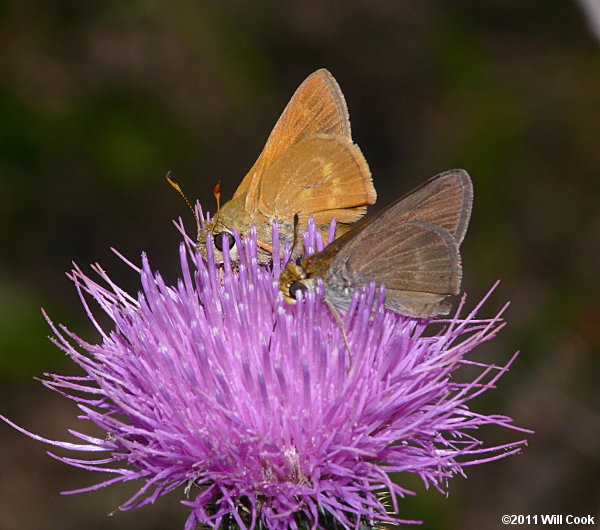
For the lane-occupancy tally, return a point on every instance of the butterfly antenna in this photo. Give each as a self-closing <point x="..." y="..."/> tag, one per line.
<point x="178" y="189"/>
<point x="297" y="244"/>
<point x="217" y="193"/>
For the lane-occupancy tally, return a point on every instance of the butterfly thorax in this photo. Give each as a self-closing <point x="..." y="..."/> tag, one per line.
<point x="233" y="215"/>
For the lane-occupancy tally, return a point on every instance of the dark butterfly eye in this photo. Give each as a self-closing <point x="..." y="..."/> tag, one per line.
<point x="296" y="287"/>
<point x="219" y="240"/>
<point x="299" y="261"/>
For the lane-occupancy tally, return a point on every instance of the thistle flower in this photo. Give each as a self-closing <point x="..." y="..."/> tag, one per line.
<point x="257" y="409"/>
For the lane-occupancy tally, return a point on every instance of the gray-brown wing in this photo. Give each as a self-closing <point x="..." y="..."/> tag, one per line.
<point x="444" y="200"/>
<point x="418" y="263"/>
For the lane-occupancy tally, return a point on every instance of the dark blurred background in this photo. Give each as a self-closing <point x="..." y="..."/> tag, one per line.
<point x="99" y="99"/>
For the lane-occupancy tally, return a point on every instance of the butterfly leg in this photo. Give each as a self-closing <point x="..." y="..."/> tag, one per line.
<point x="338" y="319"/>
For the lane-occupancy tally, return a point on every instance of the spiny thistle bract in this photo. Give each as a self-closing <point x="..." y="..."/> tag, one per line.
<point x="257" y="410"/>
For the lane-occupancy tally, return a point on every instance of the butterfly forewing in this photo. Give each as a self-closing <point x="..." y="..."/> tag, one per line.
<point x="411" y="247"/>
<point x="414" y="256"/>
<point x="317" y="107"/>
<point x="444" y="201"/>
<point x="321" y="176"/>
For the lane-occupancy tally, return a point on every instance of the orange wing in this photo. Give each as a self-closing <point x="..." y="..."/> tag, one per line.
<point x="317" y="106"/>
<point x="323" y="176"/>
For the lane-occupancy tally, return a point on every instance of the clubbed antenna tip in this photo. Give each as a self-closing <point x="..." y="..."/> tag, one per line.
<point x="178" y="189"/>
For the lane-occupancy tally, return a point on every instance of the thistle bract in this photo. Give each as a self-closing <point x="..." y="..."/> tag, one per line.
<point x="257" y="410"/>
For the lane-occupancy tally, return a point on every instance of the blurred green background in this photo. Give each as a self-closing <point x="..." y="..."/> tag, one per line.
<point x="99" y="99"/>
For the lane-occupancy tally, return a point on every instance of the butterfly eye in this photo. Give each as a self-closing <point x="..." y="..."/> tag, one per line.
<point x="297" y="287"/>
<point x="299" y="261"/>
<point x="219" y="236"/>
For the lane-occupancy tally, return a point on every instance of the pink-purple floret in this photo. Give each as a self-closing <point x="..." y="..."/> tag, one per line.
<point x="257" y="409"/>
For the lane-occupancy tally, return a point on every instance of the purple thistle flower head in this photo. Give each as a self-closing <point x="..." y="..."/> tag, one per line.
<point x="257" y="410"/>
